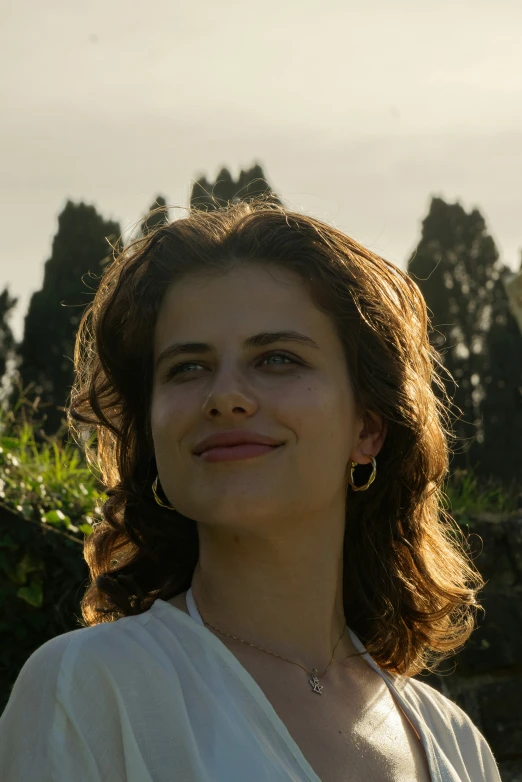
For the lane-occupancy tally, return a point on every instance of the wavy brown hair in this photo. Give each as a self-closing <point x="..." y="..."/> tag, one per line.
<point x="409" y="584"/>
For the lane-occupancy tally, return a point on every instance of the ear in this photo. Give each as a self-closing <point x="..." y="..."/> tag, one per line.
<point x="371" y="438"/>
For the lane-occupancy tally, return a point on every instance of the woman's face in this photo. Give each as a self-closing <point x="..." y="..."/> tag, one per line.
<point x="293" y="392"/>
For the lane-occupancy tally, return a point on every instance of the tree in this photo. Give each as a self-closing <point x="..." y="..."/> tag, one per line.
<point x="80" y="247"/>
<point x="502" y="403"/>
<point x="456" y="267"/>
<point x="7" y="341"/>
<point x="251" y="183"/>
<point x="513" y="286"/>
<point x="158" y="214"/>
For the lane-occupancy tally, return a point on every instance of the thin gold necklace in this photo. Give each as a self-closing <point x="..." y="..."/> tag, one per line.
<point x="313" y="681"/>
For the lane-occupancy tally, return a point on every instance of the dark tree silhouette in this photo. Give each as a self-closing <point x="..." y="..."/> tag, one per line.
<point x="502" y="404"/>
<point x="251" y="183"/>
<point x="158" y="214"/>
<point x="456" y="266"/>
<point x="80" y="246"/>
<point x="7" y="341"/>
<point x="513" y="285"/>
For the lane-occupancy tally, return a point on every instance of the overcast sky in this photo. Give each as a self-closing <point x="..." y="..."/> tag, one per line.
<point x="358" y="112"/>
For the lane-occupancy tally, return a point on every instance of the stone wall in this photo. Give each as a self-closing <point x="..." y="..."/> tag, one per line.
<point x="485" y="678"/>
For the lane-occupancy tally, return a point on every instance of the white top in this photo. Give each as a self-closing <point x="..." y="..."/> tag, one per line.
<point x="158" y="697"/>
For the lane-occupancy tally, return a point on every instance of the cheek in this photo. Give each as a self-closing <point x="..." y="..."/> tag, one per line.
<point x="168" y="415"/>
<point x="317" y="412"/>
<point x="317" y="402"/>
<point x="326" y="415"/>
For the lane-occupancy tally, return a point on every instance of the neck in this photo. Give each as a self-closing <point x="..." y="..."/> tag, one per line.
<point x="283" y="598"/>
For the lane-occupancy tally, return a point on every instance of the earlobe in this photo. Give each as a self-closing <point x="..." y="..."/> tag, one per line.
<point x="371" y="439"/>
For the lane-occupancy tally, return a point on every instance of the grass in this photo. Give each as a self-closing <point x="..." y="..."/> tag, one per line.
<point x="469" y="495"/>
<point x="48" y="482"/>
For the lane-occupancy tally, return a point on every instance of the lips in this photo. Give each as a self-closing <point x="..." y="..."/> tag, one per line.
<point x="234" y="437"/>
<point x="232" y="453"/>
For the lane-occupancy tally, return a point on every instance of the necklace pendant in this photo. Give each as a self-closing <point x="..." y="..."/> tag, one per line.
<point x="314" y="681"/>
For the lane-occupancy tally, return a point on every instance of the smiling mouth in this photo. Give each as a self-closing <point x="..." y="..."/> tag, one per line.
<point x="228" y="453"/>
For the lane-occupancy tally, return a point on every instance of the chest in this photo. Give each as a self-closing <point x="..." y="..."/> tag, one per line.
<point x="353" y="732"/>
<point x="338" y="751"/>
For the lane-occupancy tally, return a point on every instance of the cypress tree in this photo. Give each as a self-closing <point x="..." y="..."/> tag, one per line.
<point x="7" y="341"/>
<point x="80" y="247"/>
<point x="456" y="266"/>
<point x="513" y="285"/>
<point x="214" y="195"/>
<point x="502" y="404"/>
<point x="158" y="214"/>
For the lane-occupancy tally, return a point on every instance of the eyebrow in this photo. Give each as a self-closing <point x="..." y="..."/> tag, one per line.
<point x="257" y="341"/>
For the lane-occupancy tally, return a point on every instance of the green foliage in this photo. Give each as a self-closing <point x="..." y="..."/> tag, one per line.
<point x="46" y="481"/>
<point x="49" y="502"/>
<point x="467" y="494"/>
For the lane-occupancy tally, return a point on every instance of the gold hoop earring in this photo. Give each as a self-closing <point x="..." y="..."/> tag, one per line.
<point x="154" y="487"/>
<point x="370" y="479"/>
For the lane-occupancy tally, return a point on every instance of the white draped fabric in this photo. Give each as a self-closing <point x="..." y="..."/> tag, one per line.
<point x="159" y="698"/>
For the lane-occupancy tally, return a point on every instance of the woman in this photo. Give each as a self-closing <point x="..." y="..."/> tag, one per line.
<point x="274" y="564"/>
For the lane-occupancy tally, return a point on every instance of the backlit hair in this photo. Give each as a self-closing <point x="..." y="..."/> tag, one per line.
<point x="409" y="584"/>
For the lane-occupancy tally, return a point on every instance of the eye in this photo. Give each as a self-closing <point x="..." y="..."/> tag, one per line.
<point x="179" y="368"/>
<point x="275" y="354"/>
<point x="176" y="370"/>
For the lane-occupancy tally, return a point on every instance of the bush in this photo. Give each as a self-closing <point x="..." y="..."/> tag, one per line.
<point x="49" y="500"/>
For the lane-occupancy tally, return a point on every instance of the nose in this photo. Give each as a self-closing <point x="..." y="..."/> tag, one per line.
<point x="230" y="390"/>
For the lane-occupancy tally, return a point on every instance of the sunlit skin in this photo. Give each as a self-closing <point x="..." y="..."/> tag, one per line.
<point x="271" y="527"/>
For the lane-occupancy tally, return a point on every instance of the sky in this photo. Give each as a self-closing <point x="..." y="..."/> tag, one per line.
<point x="358" y="112"/>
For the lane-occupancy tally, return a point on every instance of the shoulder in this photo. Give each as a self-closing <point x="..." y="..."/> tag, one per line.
<point x="451" y="728"/>
<point x="82" y="639"/>
<point x="72" y="672"/>
<point x="434" y="704"/>
<point x="65" y="690"/>
<point x="45" y="663"/>
<point x="76" y="653"/>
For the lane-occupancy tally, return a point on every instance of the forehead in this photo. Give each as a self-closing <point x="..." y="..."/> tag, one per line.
<point x="246" y="277"/>
<point x="238" y="299"/>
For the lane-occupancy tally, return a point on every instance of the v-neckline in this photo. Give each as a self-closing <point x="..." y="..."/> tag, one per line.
<point x="252" y="686"/>
<point x="264" y="703"/>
